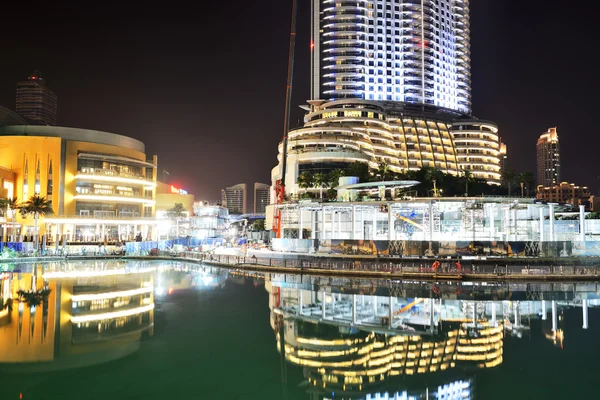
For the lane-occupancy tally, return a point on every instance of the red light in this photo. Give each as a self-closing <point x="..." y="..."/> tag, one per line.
<point x="20" y="395"/>
<point x="34" y="77"/>
<point x="174" y="190"/>
<point x="312" y="45"/>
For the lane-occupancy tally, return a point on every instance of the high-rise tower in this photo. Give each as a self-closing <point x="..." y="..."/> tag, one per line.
<point x="415" y="51"/>
<point x="548" y="159"/>
<point x="35" y="101"/>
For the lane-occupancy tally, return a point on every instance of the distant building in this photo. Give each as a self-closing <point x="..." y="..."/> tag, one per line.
<point x="233" y="198"/>
<point x="35" y="100"/>
<point x="548" y="159"/>
<point x="564" y="193"/>
<point x="168" y="195"/>
<point x="503" y="156"/>
<point x="261" y="197"/>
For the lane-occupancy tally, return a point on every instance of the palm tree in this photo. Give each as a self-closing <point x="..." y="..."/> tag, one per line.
<point x="334" y="176"/>
<point x="359" y="170"/>
<point x="320" y="181"/>
<point x="508" y="178"/>
<point x="38" y="206"/>
<point x="468" y="175"/>
<point x="383" y="172"/>
<point x="305" y="180"/>
<point x="7" y="209"/>
<point x="526" y="180"/>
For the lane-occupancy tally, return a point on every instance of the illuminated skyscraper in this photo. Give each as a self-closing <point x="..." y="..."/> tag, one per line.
<point x="35" y="101"/>
<point x="415" y="51"/>
<point x="233" y="198"/>
<point x="261" y="197"/>
<point x="548" y="159"/>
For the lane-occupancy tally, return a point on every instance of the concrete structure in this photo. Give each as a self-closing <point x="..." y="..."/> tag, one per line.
<point x="401" y="135"/>
<point x="101" y="185"/>
<point x="35" y="100"/>
<point x="414" y="52"/>
<point x="234" y="198"/>
<point x="564" y="193"/>
<point x="209" y="220"/>
<point x="261" y="197"/>
<point x="548" y="159"/>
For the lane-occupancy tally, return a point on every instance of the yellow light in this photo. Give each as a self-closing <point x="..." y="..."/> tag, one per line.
<point x="108" y="178"/>
<point x="87" y="274"/>
<point x="123" y="199"/>
<point x="111" y="315"/>
<point x="111" y="295"/>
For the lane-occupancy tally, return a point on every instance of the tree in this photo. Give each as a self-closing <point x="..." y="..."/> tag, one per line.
<point x="468" y="177"/>
<point x="333" y="178"/>
<point x="384" y="172"/>
<point x="508" y="178"/>
<point x="38" y="206"/>
<point x="7" y="209"/>
<point x="176" y="212"/>
<point x="259" y="225"/>
<point x="359" y="170"/>
<point x="320" y="181"/>
<point x="527" y="181"/>
<point x="305" y="180"/>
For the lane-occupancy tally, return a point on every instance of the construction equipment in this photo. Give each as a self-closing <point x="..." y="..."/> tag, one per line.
<point x="280" y="183"/>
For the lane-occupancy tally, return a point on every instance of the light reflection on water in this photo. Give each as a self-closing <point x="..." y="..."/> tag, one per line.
<point x="342" y="338"/>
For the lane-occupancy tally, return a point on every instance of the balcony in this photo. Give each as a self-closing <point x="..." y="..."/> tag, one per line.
<point x="113" y="196"/>
<point x="109" y="175"/>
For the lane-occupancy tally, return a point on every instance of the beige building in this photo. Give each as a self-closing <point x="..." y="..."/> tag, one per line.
<point x="548" y="159"/>
<point x="564" y="193"/>
<point x="233" y="198"/>
<point x="168" y="195"/>
<point x="101" y="185"/>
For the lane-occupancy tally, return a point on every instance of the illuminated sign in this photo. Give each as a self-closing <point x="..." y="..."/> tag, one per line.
<point x="175" y="190"/>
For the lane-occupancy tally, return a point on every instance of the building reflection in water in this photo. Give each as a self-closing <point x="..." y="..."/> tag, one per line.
<point x="353" y="345"/>
<point x="90" y="316"/>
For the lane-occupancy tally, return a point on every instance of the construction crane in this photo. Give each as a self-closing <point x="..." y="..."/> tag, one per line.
<point x="280" y="183"/>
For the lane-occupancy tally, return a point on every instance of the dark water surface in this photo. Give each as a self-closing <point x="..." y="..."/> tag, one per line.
<point x="111" y="330"/>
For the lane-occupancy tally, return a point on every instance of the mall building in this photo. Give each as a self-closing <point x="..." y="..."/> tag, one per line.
<point x="102" y="185"/>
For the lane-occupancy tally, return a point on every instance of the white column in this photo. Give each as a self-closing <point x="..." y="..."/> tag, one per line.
<point x="332" y="223"/>
<point x="300" y="223"/>
<point x="551" y="222"/>
<point x="431" y="221"/>
<point x="390" y="312"/>
<point x="492" y="208"/>
<point x="322" y="235"/>
<point x="582" y="223"/>
<point x="431" y="315"/>
<point x="554" y="316"/>
<point x="354" y="309"/>
<point x="516" y="310"/>
<point x="544" y="311"/>
<point x="353" y="222"/>
<point x="493" y="313"/>
<point x="514" y="218"/>
<point x="299" y="308"/>
<point x="323" y="305"/>
<point x="374" y="302"/>
<point x="474" y="313"/>
<point x="541" y="224"/>
<point x="313" y="224"/>
<point x="390" y="223"/>
<point x="361" y="234"/>
<point x="374" y="234"/>
<point x="584" y="306"/>
<point x="339" y="225"/>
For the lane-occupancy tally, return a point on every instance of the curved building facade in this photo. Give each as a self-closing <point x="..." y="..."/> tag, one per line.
<point x="405" y="50"/>
<point x="101" y="184"/>
<point x="401" y="135"/>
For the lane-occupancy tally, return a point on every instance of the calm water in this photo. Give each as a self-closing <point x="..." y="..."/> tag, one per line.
<point x="142" y="330"/>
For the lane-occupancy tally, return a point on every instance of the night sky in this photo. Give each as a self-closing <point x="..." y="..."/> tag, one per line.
<point x="204" y="87"/>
